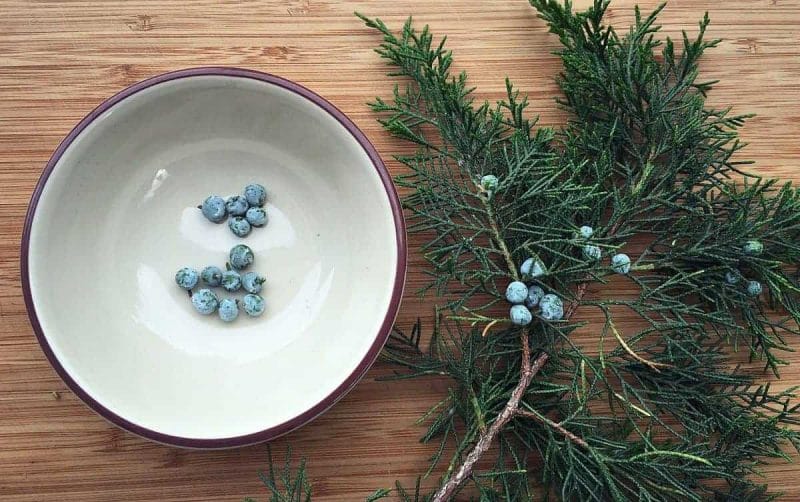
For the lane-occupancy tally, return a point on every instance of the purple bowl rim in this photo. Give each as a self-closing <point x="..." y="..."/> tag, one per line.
<point x="340" y="391"/>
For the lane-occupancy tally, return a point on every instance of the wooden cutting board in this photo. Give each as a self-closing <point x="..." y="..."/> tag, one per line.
<point x="59" y="59"/>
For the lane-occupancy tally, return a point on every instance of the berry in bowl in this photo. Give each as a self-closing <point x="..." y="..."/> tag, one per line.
<point x="115" y="215"/>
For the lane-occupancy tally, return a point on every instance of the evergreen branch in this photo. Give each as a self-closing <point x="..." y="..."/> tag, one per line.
<point x="644" y="158"/>
<point x="287" y="484"/>
<point x="655" y="414"/>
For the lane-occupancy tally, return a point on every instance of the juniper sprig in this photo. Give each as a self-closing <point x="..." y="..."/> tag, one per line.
<point x="646" y="172"/>
<point x="285" y="484"/>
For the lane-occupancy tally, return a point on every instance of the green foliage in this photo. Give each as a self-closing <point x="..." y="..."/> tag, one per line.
<point x="380" y="493"/>
<point x="657" y="414"/>
<point x="642" y="129"/>
<point x="288" y="484"/>
<point x="291" y="484"/>
<point x="461" y="142"/>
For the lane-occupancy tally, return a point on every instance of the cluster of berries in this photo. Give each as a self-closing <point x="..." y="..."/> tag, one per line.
<point x="525" y="298"/>
<point x="206" y="301"/>
<point x="242" y="211"/>
<point x="753" y="288"/>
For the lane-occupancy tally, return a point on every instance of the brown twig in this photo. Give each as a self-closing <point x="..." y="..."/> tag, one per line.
<point x="557" y="426"/>
<point x="579" y="292"/>
<point x="529" y="370"/>
<point x="526" y="375"/>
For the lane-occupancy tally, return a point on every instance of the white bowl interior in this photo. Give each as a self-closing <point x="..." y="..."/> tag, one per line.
<point x="118" y="217"/>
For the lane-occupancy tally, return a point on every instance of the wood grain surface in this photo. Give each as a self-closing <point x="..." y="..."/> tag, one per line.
<point x="59" y="59"/>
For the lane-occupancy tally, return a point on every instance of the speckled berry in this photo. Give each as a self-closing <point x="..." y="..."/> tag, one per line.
<point x="526" y="266"/>
<point x="520" y="315"/>
<point x="239" y="226"/>
<point x="205" y="301"/>
<point x="256" y="216"/>
<point x="753" y="248"/>
<point x="214" y="209"/>
<point x="241" y="257"/>
<point x="732" y="277"/>
<point x="552" y="309"/>
<point x="516" y="292"/>
<point x="621" y="263"/>
<point x="489" y="182"/>
<point x="252" y="282"/>
<point x="236" y="205"/>
<point x="187" y="278"/>
<point x="253" y="305"/>
<point x="212" y="276"/>
<point x="532" y="267"/>
<point x="586" y="231"/>
<point x="228" y="309"/>
<point x="231" y="280"/>
<point x="591" y="252"/>
<point x="535" y="293"/>
<point x="754" y="288"/>
<point x="255" y="194"/>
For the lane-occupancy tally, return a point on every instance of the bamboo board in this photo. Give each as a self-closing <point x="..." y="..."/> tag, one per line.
<point x="59" y="59"/>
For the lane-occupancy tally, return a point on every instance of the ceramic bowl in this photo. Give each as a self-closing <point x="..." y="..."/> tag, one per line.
<point x="114" y="216"/>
